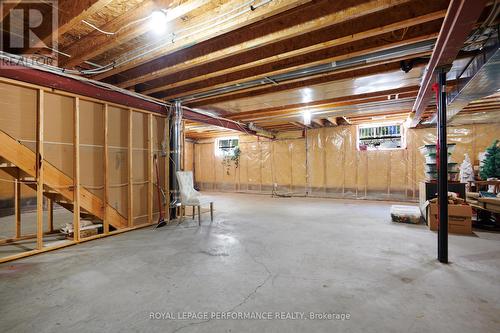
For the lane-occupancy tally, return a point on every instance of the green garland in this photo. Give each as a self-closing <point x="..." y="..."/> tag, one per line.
<point x="235" y="157"/>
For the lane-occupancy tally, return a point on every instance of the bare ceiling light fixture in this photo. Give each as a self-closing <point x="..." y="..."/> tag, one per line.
<point x="158" y="21"/>
<point x="307" y="117"/>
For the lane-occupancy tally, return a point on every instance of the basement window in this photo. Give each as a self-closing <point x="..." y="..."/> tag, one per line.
<point x="380" y="137"/>
<point x="226" y="146"/>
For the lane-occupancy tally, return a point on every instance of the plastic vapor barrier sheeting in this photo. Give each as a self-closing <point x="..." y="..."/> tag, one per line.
<point x="327" y="163"/>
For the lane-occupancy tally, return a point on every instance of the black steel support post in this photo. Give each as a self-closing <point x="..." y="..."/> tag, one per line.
<point x="174" y="157"/>
<point x="442" y="165"/>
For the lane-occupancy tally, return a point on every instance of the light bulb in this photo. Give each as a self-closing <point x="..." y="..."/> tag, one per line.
<point x="307" y="117"/>
<point x="158" y="22"/>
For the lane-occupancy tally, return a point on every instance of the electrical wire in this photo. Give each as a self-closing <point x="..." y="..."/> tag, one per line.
<point x="96" y="28"/>
<point x="154" y="46"/>
<point x="129" y="58"/>
<point x="120" y="29"/>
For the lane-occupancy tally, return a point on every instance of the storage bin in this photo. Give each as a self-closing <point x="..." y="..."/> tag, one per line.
<point x="432" y="167"/>
<point x="452" y="176"/>
<point x="431" y="149"/>
<point x="431" y="158"/>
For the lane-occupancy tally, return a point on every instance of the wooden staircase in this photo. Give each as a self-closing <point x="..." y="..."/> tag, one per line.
<point x="20" y="162"/>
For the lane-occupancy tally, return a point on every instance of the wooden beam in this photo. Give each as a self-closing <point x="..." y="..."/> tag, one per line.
<point x="39" y="165"/>
<point x="50" y="208"/>
<point x="348" y="32"/>
<point x="70" y="15"/>
<point x="360" y="71"/>
<point x="332" y="120"/>
<point x="334" y="54"/>
<point x="130" y="172"/>
<point x="318" y="122"/>
<point x="297" y="124"/>
<point x="289" y="28"/>
<point x="323" y="112"/>
<point x="97" y="43"/>
<point x="76" y="170"/>
<point x="325" y="104"/>
<point x="106" y="169"/>
<point x="211" y="31"/>
<point x="17" y="206"/>
<point x="151" y="167"/>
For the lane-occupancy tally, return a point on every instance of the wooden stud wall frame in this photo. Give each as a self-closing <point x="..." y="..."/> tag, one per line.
<point x="80" y="183"/>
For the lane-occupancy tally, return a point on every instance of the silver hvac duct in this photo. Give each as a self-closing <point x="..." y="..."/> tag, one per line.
<point x="479" y="78"/>
<point x="398" y="51"/>
<point x="175" y="122"/>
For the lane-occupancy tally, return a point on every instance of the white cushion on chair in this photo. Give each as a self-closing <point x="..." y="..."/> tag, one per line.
<point x="189" y="196"/>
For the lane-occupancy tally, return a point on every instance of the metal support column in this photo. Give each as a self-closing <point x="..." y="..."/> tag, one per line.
<point x="175" y="157"/>
<point x="442" y="165"/>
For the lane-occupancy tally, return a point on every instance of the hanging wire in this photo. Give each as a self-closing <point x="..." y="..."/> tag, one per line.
<point x="154" y="46"/>
<point x="120" y="29"/>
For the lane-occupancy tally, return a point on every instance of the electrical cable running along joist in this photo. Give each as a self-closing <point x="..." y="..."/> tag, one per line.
<point x="175" y="36"/>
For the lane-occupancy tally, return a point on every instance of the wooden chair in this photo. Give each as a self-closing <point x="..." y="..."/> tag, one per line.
<point x="191" y="197"/>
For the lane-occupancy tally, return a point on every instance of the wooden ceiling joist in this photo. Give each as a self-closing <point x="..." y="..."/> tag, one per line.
<point x="298" y="125"/>
<point x="295" y="29"/>
<point x="332" y="120"/>
<point x="287" y="65"/>
<point x="324" y="110"/>
<point x="71" y="13"/>
<point x="293" y="49"/>
<point x="97" y="43"/>
<point x="212" y="31"/>
<point x="328" y="103"/>
<point x="338" y="75"/>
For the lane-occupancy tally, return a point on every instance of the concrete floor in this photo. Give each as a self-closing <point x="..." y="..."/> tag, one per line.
<point x="28" y="227"/>
<point x="261" y="254"/>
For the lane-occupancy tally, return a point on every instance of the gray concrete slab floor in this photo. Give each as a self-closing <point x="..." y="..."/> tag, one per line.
<point x="261" y="255"/>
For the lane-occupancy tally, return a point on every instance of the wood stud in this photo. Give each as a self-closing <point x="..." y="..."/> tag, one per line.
<point x="39" y="170"/>
<point x="76" y="170"/>
<point x="17" y="206"/>
<point x="130" y="172"/>
<point x="46" y="175"/>
<point x="151" y="168"/>
<point x="106" y="169"/>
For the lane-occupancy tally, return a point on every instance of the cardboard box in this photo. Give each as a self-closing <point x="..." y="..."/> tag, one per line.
<point x="459" y="218"/>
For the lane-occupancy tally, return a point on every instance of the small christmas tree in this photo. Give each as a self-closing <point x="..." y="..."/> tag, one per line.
<point x="466" y="171"/>
<point x="491" y="164"/>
